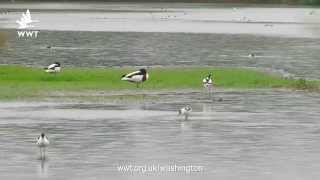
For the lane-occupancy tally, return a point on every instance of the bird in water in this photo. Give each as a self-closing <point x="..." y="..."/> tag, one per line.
<point x="42" y="143"/>
<point x="137" y="77"/>
<point x="185" y="111"/>
<point x="251" y="55"/>
<point x="53" y="68"/>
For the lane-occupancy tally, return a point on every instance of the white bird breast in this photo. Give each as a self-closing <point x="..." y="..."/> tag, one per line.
<point x="205" y="81"/>
<point x="184" y="111"/>
<point x="43" y="142"/>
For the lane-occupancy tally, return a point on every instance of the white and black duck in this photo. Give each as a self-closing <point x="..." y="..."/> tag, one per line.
<point x="137" y="77"/>
<point x="53" y="68"/>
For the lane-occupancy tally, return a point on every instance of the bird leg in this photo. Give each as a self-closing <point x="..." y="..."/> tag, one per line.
<point x="40" y="152"/>
<point x="210" y="92"/>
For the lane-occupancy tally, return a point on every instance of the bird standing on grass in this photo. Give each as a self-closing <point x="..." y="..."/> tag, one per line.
<point x="137" y="77"/>
<point x="53" y="68"/>
<point x="207" y="82"/>
<point x="42" y="143"/>
<point x="185" y="111"/>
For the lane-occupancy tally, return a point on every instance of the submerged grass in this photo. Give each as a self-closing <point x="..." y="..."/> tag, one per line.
<point x="24" y="82"/>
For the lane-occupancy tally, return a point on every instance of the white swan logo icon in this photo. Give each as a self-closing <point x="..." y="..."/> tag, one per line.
<point x="25" y="20"/>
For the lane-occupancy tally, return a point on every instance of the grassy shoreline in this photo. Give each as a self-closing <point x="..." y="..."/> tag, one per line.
<point x="18" y="82"/>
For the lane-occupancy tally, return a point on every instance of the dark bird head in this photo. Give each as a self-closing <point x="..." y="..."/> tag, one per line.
<point x="123" y="76"/>
<point x="143" y="71"/>
<point x="42" y="135"/>
<point x="57" y="63"/>
<point x="210" y="74"/>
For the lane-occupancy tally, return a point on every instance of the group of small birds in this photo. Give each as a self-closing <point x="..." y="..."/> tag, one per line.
<point x="167" y="16"/>
<point x="137" y="77"/>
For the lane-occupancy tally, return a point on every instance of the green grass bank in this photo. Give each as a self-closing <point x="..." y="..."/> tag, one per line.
<point x="18" y="82"/>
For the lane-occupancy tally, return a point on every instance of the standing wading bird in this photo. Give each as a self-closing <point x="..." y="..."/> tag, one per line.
<point x="185" y="111"/>
<point x="136" y="76"/>
<point x="207" y="82"/>
<point x="42" y="143"/>
<point x="53" y="68"/>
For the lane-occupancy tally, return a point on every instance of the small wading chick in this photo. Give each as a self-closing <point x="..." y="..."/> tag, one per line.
<point x="185" y="111"/>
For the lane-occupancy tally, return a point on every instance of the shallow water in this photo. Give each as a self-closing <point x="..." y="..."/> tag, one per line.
<point x="284" y="39"/>
<point x="252" y="134"/>
<point x="271" y="139"/>
<point x="296" y="56"/>
<point x="165" y="17"/>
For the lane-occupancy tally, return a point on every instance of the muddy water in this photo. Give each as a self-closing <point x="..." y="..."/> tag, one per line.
<point x="253" y="134"/>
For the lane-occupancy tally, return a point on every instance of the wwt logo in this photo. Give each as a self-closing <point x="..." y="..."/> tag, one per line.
<point x="28" y="33"/>
<point x="25" y="22"/>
